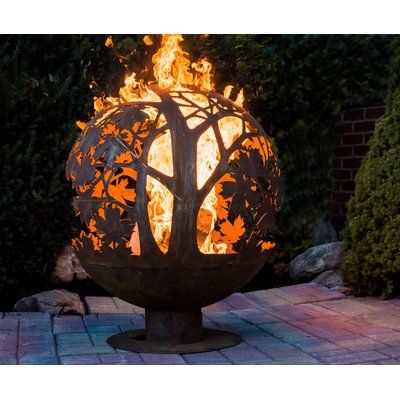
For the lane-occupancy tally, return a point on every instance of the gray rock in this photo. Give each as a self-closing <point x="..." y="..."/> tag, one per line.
<point x="27" y="304"/>
<point x="58" y="301"/>
<point x="323" y="233"/>
<point x="316" y="260"/>
<point x="330" y="279"/>
<point x="68" y="267"/>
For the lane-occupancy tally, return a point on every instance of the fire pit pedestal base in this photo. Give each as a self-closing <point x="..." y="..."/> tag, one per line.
<point x="173" y="332"/>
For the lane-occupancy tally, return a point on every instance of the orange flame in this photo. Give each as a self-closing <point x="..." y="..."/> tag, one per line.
<point x="148" y="40"/>
<point x="109" y="42"/>
<point x="173" y="70"/>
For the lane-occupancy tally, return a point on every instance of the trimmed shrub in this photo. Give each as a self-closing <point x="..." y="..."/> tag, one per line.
<point x="372" y="234"/>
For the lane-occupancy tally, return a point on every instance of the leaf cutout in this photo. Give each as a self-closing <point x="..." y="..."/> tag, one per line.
<point x="121" y="192"/>
<point x="266" y="245"/>
<point x="87" y="172"/>
<point x="232" y="232"/>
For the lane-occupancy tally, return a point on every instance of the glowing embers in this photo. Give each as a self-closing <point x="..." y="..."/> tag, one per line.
<point x="207" y="156"/>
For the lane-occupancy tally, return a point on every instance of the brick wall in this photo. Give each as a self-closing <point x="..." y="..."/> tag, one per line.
<point x="355" y="127"/>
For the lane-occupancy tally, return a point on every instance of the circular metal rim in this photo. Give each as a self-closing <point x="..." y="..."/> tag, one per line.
<point x="134" y="341"/>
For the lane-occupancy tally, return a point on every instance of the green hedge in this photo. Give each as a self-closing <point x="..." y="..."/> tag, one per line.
<point x="295" y="85"/>
<point x="42" y="94"/>
<point x="372" y="234"/>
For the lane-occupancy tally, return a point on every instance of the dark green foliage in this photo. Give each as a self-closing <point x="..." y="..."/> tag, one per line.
<point x="372" y="234"/>
<point x="42" y="94"/>
<point x="295" y="85"/>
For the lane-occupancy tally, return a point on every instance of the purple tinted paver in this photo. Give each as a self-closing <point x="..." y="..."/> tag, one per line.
<point x="217" y="307"/>
<point x="210" y="357"/>
<point x="225" y="319"/>
<point x="243" y="354"/>
<point x="75" y="349"/>
<point x="29" y="338"/>
<point x="68" y="324"/>
<point x="266" y="298"/>
<point x="388" y="361"/>
<point x="162" y="359"/>
<point x="250" y="333"/>
<point x="238" y="301"/>
<point x="389" y="320"/>
<point x="38" y="360"/>
<point x="122" y="359"/>
<point x="389" y="338"/>
<point x="8" y="325"/>
<point x="104" y="305"/>
<point x="294" y="312"/>
<point x="348" y="306"/>
<point x="124" y="307"/>
<point x="309" y="292"/>
<point x="255" y="316"/>
<point x="320" y="328"/>
<point x="80" y="360"/>
<point x="353" y="357"/>
<point x="286" y="332"/>
<point x="314" y="346"/>
<point x="287" y="354"/>
<point x="300" y="324"/>
<point x="360" y="344"/>
<point x="391" y="351"/>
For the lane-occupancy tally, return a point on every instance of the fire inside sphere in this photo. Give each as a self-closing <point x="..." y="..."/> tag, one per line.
<point x="190" y="175"/>
<point x="189" y="180"/>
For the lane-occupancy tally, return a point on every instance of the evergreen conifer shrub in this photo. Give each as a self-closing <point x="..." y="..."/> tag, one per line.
<point x="372" y="234"/>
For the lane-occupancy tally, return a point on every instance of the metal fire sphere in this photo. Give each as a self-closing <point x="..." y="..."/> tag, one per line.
<point x="178" y="196"/>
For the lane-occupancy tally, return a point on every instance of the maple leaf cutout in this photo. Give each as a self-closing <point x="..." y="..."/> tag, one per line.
<point x="266" y="245"/>
<point x="121" y="193"/>
<point x="232" y="232"/>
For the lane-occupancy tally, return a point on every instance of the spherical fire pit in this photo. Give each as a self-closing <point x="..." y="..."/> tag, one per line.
<point x="178" y="191"/>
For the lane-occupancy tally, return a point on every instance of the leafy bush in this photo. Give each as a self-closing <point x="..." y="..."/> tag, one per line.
<point x="372" y="234"/>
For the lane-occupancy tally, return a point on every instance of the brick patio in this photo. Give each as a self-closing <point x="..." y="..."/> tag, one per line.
<point x="301" y="324"/>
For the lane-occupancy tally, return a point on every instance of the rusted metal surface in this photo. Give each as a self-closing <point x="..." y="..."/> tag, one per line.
<point x="109" y="169"/>
<point x="136" y="341"/>
<point x="173" y="327"/>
